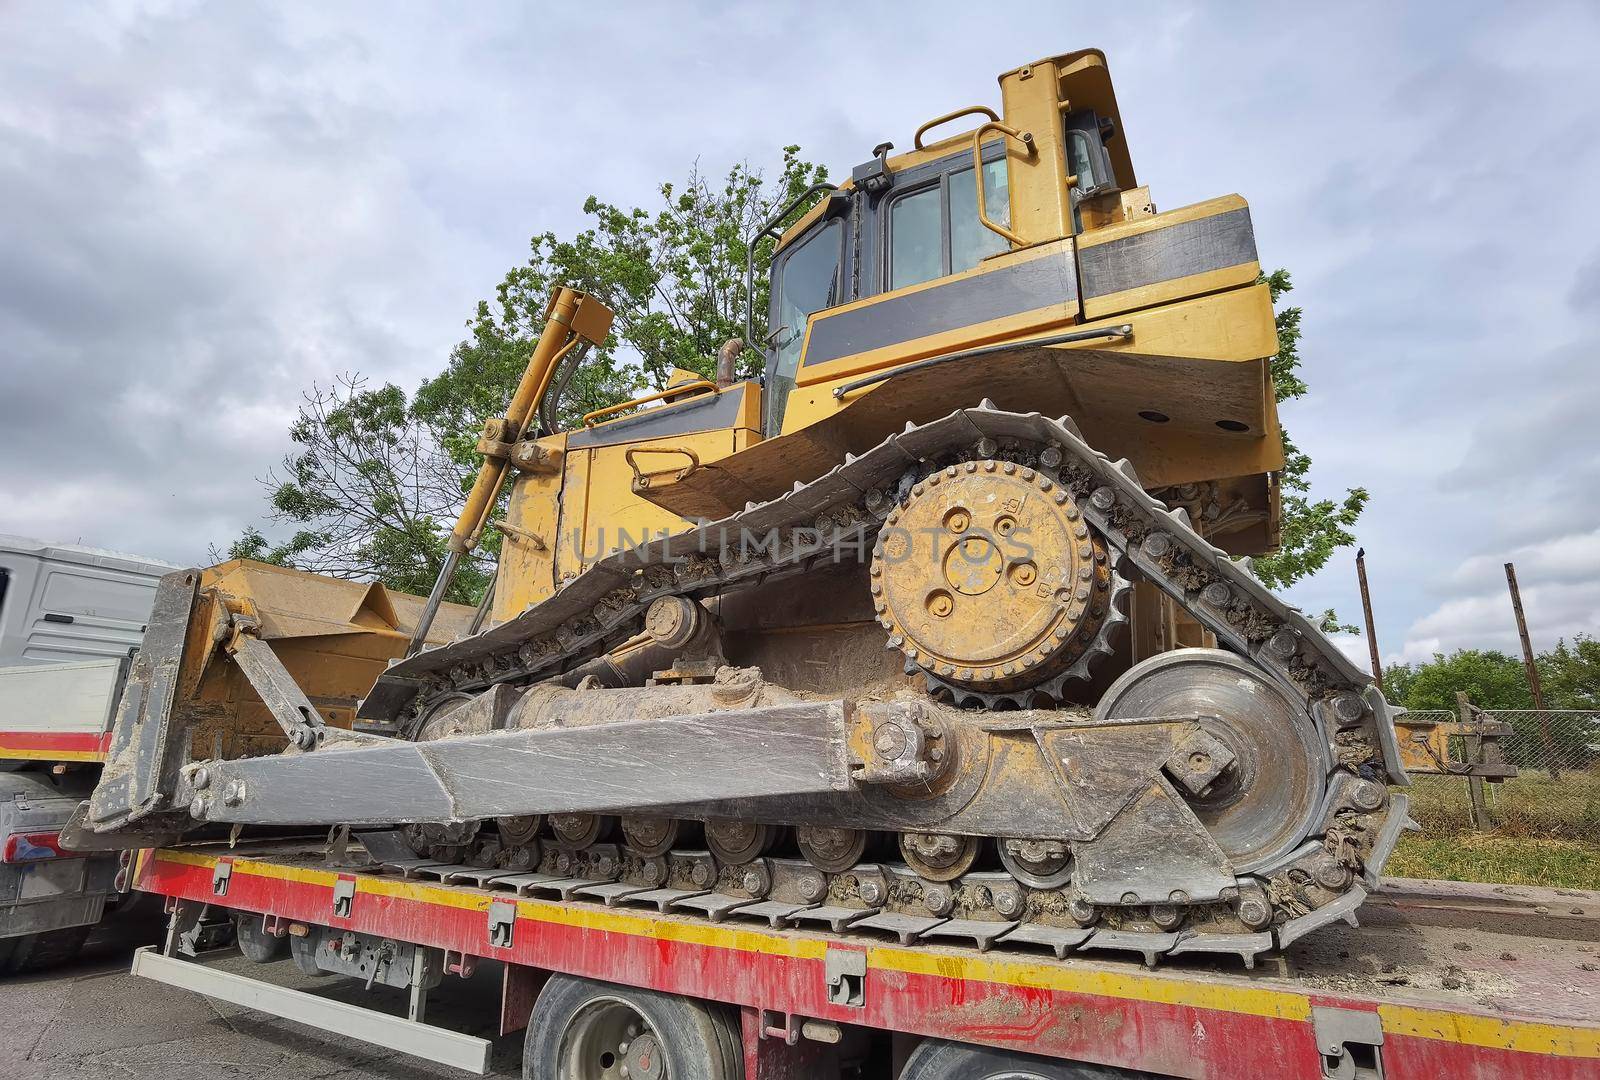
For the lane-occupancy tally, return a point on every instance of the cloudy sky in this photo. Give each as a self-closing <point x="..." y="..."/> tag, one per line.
<point x="207" y="208"/>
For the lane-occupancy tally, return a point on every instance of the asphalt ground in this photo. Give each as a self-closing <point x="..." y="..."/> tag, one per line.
<point x="91" y="1019"/>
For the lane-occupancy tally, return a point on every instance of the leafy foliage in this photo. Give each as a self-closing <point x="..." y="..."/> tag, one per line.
<point x="1493" y="679"/>
<point x="1568" y="674"/>
<point x="377" y="479"/>
<point x="1312" y="529"/>
<point x="371" y="490"/>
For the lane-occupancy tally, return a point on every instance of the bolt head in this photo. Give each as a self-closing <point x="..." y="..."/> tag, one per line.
<point x="1216" y="594"/>
<point x="701" y="874"/>
<point x="233" y="795"/>
<point x="1283" y="644"/>
<point x="1367" y="795"/>
<point x="200" y="807"/>
<point x="1157" y="544"/>
<point x="1009" y="901"/>
<point x="1102" y="498"/>
<point x="1082" y="912"/>
<point x="1331" y="874"/>
<point x="751" y="881"/>
<point x="812" y="888"/>
<point x="938" y="899"/>
<point x="889" y="740"/>
<point x="201" y="778"/>
<point x="871" y="892"/>
<point x="1166" y="916"/>
<point x="1348" y="707"/>
<point x="1254" y="912"/>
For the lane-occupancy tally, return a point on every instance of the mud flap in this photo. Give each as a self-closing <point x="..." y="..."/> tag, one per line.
<point x="141" y="770"/>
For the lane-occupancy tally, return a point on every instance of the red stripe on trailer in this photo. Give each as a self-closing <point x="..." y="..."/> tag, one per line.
<point x="79" y="742"/>
<point x="918" y="991"/>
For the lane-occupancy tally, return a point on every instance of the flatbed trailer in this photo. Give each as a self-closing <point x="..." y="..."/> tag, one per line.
<point x="1441" y="980"/>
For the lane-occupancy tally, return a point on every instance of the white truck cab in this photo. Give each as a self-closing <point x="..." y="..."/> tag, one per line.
<point x="70" y="619"/>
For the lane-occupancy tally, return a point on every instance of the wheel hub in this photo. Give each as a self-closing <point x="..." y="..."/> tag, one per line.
<point x="990" y="580"/>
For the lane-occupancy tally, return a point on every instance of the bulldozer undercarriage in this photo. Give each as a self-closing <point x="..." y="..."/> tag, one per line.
<point x="1211" y="800"/>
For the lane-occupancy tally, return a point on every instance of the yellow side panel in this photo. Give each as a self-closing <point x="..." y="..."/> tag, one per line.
<point x="615" y="516"/>
<point x="528" y="551"/>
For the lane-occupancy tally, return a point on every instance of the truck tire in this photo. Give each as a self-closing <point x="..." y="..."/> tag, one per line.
<point x="257" y="945"/>
<point x="583" y="1030"/>
<point x="935" y="1059"/>
<point x="38" y="952"/>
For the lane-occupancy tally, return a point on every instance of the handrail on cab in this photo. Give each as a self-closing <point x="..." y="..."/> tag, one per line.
<point x="1023" y="137"/>
<point x="671" y="391"/>
<point x="916" y="140"/>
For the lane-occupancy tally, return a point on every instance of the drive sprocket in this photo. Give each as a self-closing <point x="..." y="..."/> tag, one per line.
<point x="991" y="582"/>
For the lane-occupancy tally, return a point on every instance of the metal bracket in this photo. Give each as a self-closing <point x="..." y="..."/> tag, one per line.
<point x="502" y="923"/>
<point x="344" y="897"/>
<point x="788" y="1030"/>
<point x="221" y="874"/>
<point x="846" y="973"/>
<point x="1350" y="1042"/>
<point x="283" y="697"/>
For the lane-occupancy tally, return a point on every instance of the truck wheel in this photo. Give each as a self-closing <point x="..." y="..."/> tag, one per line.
<point x="935" y="1059"/>
<point x="257" y="945"/>
<point x="586" y="1030"/>
<point x="37" y="952"/>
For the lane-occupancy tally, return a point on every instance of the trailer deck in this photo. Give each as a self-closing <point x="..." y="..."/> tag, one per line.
<point x="1520" y="999"/>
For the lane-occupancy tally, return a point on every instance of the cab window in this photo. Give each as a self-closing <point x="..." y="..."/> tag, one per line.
<point x="934" y="231"/>
<point x="807" y="281"/>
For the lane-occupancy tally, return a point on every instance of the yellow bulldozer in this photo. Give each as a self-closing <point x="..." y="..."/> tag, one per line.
<point x="941" y="627"/>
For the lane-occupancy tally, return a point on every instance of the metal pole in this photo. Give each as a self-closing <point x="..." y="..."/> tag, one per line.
<point x="1473" y="745"/>
<point x="440" y="585"/>
<point x="1366" y="607"/>
<point x="1532" y="669"/>
<point x="484" y="604"/>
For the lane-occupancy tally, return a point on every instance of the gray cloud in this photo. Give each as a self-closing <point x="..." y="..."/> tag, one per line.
<point x="205" y="209"/>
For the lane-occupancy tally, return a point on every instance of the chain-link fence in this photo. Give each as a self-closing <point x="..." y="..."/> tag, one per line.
<point x="1555" y="794"/>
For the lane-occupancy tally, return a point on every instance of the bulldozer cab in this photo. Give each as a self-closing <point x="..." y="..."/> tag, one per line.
<point x="1008" y="254"/>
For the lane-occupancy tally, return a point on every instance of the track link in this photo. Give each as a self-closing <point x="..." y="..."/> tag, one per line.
<point x="845" y="510"/>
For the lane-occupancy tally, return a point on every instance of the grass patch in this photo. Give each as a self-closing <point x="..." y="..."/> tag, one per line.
<point x="1512" y="860"/>
<point x="1531" y="805"/>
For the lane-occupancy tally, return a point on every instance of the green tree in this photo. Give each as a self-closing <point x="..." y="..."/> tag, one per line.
<point x="1312" y="529"/>
<point x="1570" y="674"/>
<point x="370" y="491"/>
<point x="1491" y="678"/>
<point x="673" y="276"/>
<point x="1397" y="680"/>
<point x="377" y="477"/>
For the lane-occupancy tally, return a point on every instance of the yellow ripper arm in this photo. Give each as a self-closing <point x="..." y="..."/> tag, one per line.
<point x="574" y="320"/>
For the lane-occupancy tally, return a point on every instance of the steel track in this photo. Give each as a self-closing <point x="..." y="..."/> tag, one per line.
<point x="1347" y="842"/>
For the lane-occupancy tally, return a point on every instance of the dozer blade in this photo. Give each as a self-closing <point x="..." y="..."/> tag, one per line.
<point x="145" y="757"/>
<point x="783" y="750"/>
